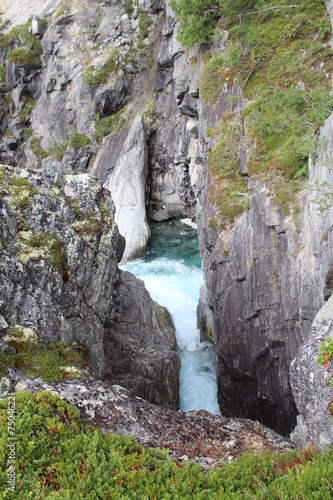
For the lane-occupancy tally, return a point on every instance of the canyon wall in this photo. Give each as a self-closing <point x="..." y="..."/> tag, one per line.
<point x="116" y="95"/>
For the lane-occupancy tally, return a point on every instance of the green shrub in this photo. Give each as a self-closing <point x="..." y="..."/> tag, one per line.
<point x="42" y="245"/>
<point x="109" y="124"/>
<point x="29" y="50"/>
<point x="57" y="361"/>
<point x="325" y="358"/>
<point x="57" y="456"/>
<point x="228" y="189"/>
<point x="37" y="149"/>
<point x="78" y="140"/>
<point x="97" y="76"/>
<point x="197" y="20"/>
<point x="21" y="191"/>
<point x="57" y="150"/>
<point x="27" y="109"/>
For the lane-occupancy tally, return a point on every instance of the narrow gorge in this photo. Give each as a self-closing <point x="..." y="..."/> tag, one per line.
<point x="120" y="119"/>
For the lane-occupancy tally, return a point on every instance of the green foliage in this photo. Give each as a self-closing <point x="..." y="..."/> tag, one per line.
<point x="197" y="20"/>
<point x="144" y="23"/>
<point x="87" y="228"/>
<point x="129" y="8"/>
<point x="97" y="76"/>
<point x="29" y="50"/>
<point x="74" y="203"/>
<point x="277" y="57"/>
<point x="2" y="75"/>
<point x="78" y="140"/>
<point x="63" y="8"/>
<point x="42" y="245"/>
<point x="211" y="79"/>
<point x="59" y="360"/>
<point x="27" y="109"/>
<point x="4" y="188"/>
<point x="58" y="457"/>
<point x="324" y="359"/>
<point x="57" y="150"/>
<point x="37" y="149"/>
<point x="112" y="123"/>
<point x="21" y="191"/>
<point x="228" y="189"/>
<point x="322" y="193"/>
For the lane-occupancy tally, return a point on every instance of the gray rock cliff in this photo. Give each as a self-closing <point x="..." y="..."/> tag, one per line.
<point x="59" y="277"/>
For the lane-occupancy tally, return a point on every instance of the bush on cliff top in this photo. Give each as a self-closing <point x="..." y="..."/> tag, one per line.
<point x="57" y="456"/>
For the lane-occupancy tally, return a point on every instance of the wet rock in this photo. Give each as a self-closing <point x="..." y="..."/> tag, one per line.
<point x="204" y="438"/>
<point x="311" y="386"/>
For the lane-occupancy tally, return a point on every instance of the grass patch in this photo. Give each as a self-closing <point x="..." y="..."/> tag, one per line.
<point x="279" y="56"/>
<point x="96" y="76"/>
<point x="228" y="189"/>
<point x="43" y="245"/>
<point x="63" y="8"/>
<point x="59" y="360"/>
<point x="29" y="47"/>
<point x="78" y="140"/>
<point x="37" y="149"/>
<point x="27" y="110"/>
<point x="129" y="8"/>
<point x="325" y="359"/>
<point x="21" y="191"/>
<point x="87" y="228"/>
<point x="109" y="124"/>
<point x="56" y="455"/>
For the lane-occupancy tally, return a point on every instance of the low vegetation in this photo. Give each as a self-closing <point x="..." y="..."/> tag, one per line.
<point x="29" y="48"/>
<point x="228" y="188"/>
<point x="59" y="360"/>
<point x="43" y="245"/>
<point x="279" y="57"/>
<point x="57" y="456"/>
<point x="108" y="124"/>
<point x="98" y="75"/>
<point x="20" y="191"/>
<point x="326" y="359"/>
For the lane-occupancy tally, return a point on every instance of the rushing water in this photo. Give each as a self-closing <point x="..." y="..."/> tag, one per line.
<point x="171" y="270"/>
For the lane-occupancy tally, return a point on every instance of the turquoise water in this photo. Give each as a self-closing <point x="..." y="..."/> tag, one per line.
<point x="171" y="270"/>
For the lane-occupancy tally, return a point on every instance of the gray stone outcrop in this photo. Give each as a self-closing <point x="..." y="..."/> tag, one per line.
<point x="59" y="278"/>
<point x="311" y="384"/>
<point x="188" y="435"/>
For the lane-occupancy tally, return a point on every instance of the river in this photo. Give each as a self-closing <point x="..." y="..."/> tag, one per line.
<point x="171" y="271"/>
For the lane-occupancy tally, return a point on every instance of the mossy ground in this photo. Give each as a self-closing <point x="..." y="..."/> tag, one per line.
<point x="59" y="360"/>
<point x="57" y="456"/>
<point x="228" y="189"/>
<point x="280" y="57"/>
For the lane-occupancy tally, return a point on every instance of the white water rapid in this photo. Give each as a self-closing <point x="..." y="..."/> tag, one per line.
<point x="172" y="274"/>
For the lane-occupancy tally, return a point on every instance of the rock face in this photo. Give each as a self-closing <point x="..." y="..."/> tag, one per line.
<point x="311" y="384"/>
<point x="127" y="184"/>
<point x="199" y="436"/>
<point x="59" y="276"/>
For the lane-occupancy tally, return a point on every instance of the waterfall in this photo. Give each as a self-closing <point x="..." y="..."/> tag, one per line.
<point x="171" y="271"/>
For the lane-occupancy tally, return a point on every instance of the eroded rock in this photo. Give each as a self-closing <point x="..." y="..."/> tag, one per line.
<point x="199" y="436"/>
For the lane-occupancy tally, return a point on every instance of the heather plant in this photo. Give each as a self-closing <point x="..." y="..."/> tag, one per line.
<point x="59" y="457"/>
